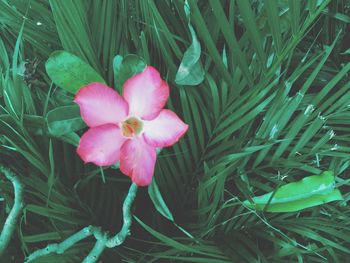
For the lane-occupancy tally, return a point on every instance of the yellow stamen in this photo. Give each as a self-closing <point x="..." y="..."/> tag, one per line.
<point x="131" y="127"/>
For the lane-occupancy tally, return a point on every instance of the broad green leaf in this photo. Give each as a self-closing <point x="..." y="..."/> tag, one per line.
<point x="158" y="200"/>
<point x="310" y="191"/>
<point x="190" y="71"/>
<point x="63" y="120"/>
<point x="70" y="72"/>
<point x="126" y="67"/>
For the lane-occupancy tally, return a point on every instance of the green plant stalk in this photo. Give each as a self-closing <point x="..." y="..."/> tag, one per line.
<point x="97" y="250"/>
<point x="63" y="246"/>
<point x="119" y="238"/>
<point x="102" y="240"/>
<point x="11" y="220"/>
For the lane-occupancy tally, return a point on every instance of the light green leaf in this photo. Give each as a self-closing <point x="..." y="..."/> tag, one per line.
<point x="310" y="191"/>
<point x="63" y="120"/>
<point x="190" y="71"/>
<point x="158" y="201"/>
<point x="70" y="72"/>
<point x="125" y="68"/>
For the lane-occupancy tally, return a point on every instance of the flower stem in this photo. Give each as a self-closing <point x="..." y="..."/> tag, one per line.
<point x="102" y="240"/>
<point x="119" y="238"/>
<point x="11" y="220"/>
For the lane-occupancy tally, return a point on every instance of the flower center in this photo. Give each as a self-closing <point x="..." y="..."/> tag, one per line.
<point x="131" y="127"/>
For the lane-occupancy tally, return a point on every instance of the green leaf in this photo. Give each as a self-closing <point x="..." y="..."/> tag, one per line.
<point x="190" y="71"/>
<point x="63" y="120"/>
<point x="70" y="72"/>
<point x="125" y="68"/>
<point x="158" y="201"/>
<point x="310" y="191"/>
<point x="71" y="138"/>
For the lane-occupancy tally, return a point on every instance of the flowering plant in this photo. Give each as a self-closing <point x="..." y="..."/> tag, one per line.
<point x="130" y="127"/>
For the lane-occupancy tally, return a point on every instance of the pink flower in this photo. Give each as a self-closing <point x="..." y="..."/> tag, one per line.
<point x="128" y="128"/>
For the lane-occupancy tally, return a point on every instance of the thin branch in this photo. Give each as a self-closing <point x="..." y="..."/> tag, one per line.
<point x="11" y="220"/>
<point x="97" y="250"/>
<point x="119" y="238"/>
<point x="63" y="246"/>
<point x="102" y="240"/>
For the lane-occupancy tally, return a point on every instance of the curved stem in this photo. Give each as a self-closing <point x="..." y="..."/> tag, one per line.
<point x="11" y="220"/>
<point x="119" y="238"/>
<point x="63" y="246"/>
<point x="97" y="250"/>
<point x="102" y="240"/>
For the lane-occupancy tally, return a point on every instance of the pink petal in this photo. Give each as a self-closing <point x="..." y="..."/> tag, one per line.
<point x="137" y="160"/>
<point x="101" y="145"/>
<point x="146" y="94"/>
<point x="100" y="104"/>
<point x="165" y="130"/>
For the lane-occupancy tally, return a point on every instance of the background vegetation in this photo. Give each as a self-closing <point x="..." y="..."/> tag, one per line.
<point x="273" y="108"/>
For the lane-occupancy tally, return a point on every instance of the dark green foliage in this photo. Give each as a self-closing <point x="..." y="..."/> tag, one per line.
<point x="125" y="68"/>
<point x="70" y="72"/>
<point x="272" y="109"/>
